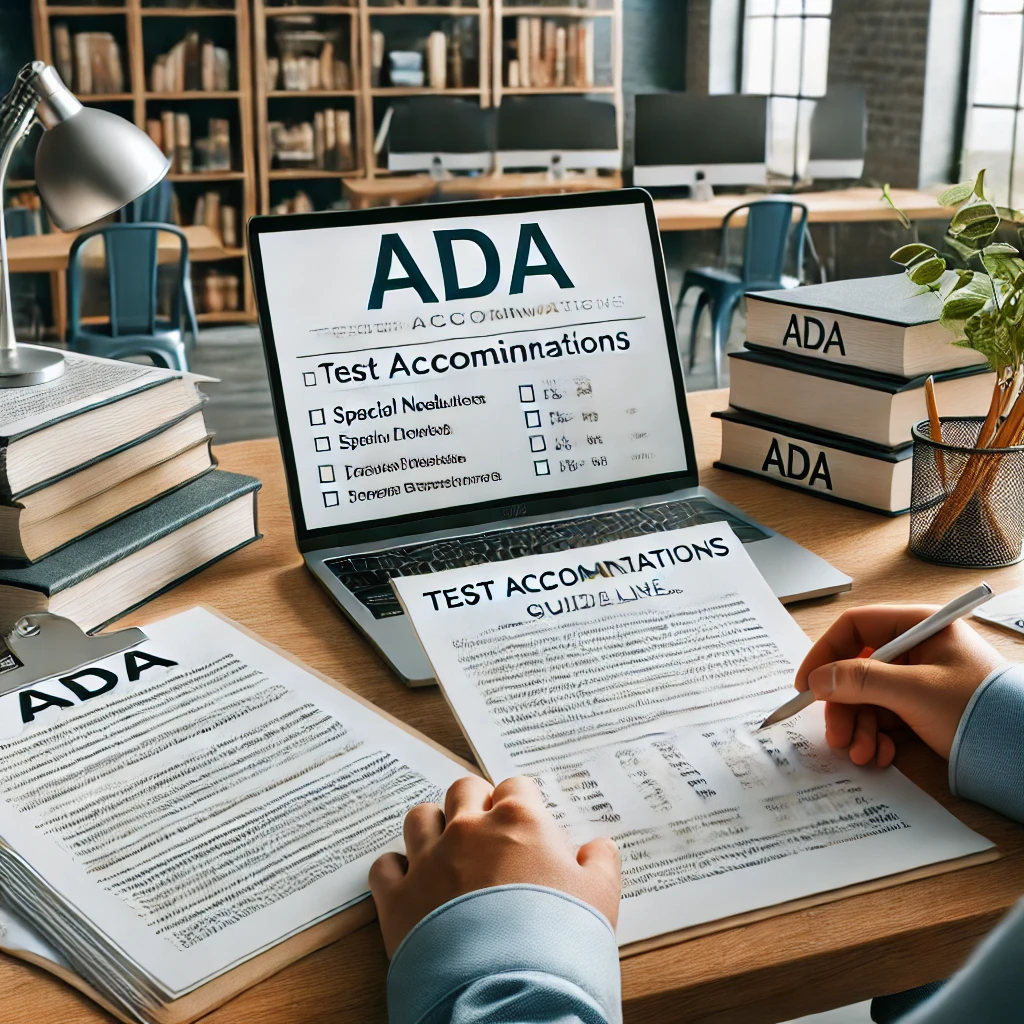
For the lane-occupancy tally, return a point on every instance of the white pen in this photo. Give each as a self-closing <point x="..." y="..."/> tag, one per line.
<point x="924" y="630"/>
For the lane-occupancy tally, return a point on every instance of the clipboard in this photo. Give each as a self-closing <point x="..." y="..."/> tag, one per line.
<point x="48" y="645"/>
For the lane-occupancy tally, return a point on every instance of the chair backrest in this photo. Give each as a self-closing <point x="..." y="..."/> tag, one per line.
<point x="769" y="223"/>
<point x="131" y="262"/>
<point x="151" y="207"/>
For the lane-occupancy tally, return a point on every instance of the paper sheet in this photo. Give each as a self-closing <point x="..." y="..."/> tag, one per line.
<point x="632" y="699"/>
<point x="201" y="797"/>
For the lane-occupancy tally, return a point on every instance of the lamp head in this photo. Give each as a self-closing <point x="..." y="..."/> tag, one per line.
<point x="89" y="162"/>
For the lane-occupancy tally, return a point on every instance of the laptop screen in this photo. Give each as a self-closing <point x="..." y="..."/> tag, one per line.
<point x="434" y="359"/>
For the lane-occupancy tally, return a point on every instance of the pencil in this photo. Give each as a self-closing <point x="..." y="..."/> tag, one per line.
<point x="936" y="425"/>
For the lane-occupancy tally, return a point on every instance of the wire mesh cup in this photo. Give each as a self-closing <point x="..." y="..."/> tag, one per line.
<point x="966" y="503"/>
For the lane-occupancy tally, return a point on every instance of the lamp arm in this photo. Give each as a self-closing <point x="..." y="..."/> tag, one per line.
<point x="16" y="114"/>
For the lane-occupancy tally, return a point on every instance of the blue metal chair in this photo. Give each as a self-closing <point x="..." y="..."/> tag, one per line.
<point x="134" y="327"/>
<point x="770" y="225"/>
<point x="155" y="206"/>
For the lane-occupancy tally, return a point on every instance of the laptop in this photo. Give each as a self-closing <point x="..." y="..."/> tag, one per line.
<point x="469" y="382"/>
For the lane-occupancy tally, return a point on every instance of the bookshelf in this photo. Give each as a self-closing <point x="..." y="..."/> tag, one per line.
<point x="145" y="32"/>
<point x="583" y="25"/>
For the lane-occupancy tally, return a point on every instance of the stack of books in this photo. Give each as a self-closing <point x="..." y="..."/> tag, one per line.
<point x="831" y="381"/>
<point x="311" y="57"/>
<point x="191" y="65"/>
<point x="89" y="62"/>
<point x="325" y="143"/>
<point x="548" y="53"/>
<point x="108" y="491"/>
<point x="172" y="133"/>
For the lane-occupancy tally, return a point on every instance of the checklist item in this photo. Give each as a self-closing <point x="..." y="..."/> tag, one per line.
<point x="326" y="474"/>
<point x="526" y="393"/>
<point x="309" y="378"/>
<point x="541" y="467"/>
<point x="322" y="444"/>
<point x="537" y="443"/>
<point x="330" y="498"/>
<point x="317" y="417"/>
<point x="533" y="417"/>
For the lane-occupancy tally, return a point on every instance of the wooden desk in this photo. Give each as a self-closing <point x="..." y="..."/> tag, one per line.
<point x="841" y="206"/>
<point x="48" y="254"/>
<point x="773" y="970"/>
<point x="366" y="192"/>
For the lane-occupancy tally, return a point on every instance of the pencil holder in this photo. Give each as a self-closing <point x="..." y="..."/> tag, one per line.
<point x="967" y="503"/>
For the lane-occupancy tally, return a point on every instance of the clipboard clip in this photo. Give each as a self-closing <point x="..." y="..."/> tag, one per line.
<point x="49" y="645"/>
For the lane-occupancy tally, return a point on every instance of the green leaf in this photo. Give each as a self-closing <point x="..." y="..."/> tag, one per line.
<point x="962" y="307"/>
<point x="1010" y="215"/>
<point x="986" y="333"/>
<point x="927" y="271"/>
<point x="1000" y="249"/>
<point x="975" y="221"/>
<point x="910" y="253"/>
<point x="979" y="184"/>
<point x="904" y="219"/>
<point x="963" y="279"/>
<point x="957" y="194"/>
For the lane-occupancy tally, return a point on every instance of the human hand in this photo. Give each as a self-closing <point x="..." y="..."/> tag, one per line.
<point x="927" y="689"/>
<point x="486" y="836"/>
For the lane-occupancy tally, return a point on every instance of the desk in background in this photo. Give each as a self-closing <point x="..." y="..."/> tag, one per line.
<point x="760" y="973"/>
<point x="48" y="254"/>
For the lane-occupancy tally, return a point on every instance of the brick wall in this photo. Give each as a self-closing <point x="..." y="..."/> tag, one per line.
<point x="882" y="45"/>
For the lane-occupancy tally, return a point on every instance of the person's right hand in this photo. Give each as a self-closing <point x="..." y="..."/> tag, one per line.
<point x="927" y="689"/>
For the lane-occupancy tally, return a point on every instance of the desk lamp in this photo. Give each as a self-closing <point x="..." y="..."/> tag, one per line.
<point x="89" y="163"/>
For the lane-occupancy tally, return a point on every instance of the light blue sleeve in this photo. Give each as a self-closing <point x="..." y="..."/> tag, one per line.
<point x="513" y="954"/>
<point x="986" y="764"/>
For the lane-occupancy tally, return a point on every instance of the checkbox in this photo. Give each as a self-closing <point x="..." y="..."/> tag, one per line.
<point x="326" y="474"/>
<point x="317" y="417"/>
<point x="526" y="393"/>
<point x="309" y="378"/>
<point x="537" y="443"/>
<point x="533" y="417"/>
<point x="330" y="498"/>
<point x="322" y="444"/>
<point x="541" y="467"/>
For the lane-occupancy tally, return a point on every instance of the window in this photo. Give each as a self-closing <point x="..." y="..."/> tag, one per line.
<point x="785" y="56"/>
<point x="994" y="130"/>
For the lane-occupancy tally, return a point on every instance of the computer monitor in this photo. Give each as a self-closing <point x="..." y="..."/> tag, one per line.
<point x="553" y="132"/>
<point x="839" y="128"/>
<point x="429" y="133"/>
<point x="686" y="140"/>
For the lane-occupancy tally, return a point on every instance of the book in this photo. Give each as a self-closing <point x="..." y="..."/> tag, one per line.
<point x="211" y="813"/>
<point x="100" y="577"/>
<point x="63" y="57"/>
<point x="167" y="126"/>
<point x="883" y="323"/>
<point x="825" y="465"/>
<point x="873" y="407"/>
<point x="183" y="143"/>
<point x="50" y="516"/>
<point x="629" y="685"/>
<point x="93" y="409"/>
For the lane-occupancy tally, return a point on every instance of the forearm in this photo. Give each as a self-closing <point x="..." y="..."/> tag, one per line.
<point x="516" y="952"/>
<point x="986" y="763"/>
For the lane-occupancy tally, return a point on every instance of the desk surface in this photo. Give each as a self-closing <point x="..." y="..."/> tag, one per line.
<point x="769" y="971"/>
<point x="48" y="253"/>
<point x="835" y="207"/>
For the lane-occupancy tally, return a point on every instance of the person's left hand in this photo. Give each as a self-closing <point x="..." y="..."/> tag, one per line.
<point x="486" y="836"/>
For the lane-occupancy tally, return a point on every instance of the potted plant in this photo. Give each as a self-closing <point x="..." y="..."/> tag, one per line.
<point x="968" y="490"/>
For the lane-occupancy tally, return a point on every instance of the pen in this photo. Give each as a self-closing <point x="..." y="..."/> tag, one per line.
<point x="924" y="630"/>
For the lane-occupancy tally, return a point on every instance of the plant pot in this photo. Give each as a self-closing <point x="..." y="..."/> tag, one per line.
<point x="967" y="503"/>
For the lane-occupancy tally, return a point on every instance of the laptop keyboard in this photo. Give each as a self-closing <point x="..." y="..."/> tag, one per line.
<point x="367" y="575"/>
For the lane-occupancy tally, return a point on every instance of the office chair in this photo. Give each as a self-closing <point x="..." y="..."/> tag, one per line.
<point x="767" y="236"/>
<point x="134" y="327"/>
<point x="154" y="207"/>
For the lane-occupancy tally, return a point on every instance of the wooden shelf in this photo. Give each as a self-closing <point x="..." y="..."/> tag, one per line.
<point x="564" y="90"/>
<point x="297" y="174"/>
<point x="21" y="183"/>
<point x="280" y="12"/>
<point x="423" y="90"/>
<point x="188" y="12"/>
<point x="444" y="10"/>
<point x="105" y="97"/>
<point x="557" y="12"/>
<point x="226" y="316"/>
<point x="281" y="94"/>
<point x="193" y="94"/>
<point x="208" y="176"/>
<point x="73" y="10"/>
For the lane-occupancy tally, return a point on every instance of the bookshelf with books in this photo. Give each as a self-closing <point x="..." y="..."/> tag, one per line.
<point x="414" y="48"/>
<point x="308" y="89"/>
<point x="181" y="71"/>
<point x="545" y="47"/>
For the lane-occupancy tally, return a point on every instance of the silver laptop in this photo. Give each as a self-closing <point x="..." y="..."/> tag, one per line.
<point x="470" y="382"/>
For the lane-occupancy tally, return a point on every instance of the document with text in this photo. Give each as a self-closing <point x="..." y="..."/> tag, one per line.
<point x="628" y="680"/>
<point x="172" y="811"/>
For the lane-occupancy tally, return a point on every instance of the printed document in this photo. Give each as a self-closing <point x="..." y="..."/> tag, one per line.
<point x="628" y="679"/>
<point x="196" y="800"/>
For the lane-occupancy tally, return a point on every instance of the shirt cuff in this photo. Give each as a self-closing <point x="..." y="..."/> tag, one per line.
<point x="508" y="928"/>
<point x="986" y="762"/>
